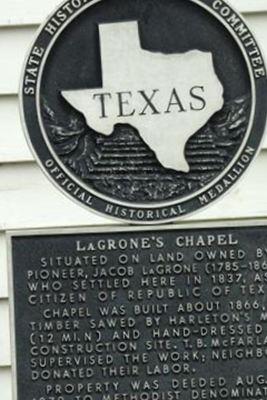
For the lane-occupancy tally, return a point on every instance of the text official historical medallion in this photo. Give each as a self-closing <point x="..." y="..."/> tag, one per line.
<point x="144" y="110"/>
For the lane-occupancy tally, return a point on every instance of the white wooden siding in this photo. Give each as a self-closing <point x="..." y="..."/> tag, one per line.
<point x="29" y="200"/>
<point x="5" y="383"/>
<point x="13" y="146"/>
<point x="3" y="271"/>
<point x="14" y="43"/>
<point x="5" y="353"/>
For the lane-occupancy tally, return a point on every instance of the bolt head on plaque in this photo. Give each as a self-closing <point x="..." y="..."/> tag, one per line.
<point x="148" y="110"/>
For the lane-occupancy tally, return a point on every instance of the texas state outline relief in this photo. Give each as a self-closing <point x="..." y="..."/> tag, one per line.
<point x="166" y="97"/>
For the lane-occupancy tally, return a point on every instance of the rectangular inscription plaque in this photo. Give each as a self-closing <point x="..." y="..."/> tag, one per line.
<point x="141" y="314"/>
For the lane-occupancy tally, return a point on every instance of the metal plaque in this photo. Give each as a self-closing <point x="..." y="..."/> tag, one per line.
<point x="144" y="110"/>
<point x="131" y="314"/>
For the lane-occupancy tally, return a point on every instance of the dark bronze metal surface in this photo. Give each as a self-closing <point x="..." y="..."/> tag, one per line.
<point x="159" y="314"/>
<point x="144" y="111"/>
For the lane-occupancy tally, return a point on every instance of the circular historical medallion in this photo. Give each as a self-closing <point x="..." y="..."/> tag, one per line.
<point x="144" y="110"/>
